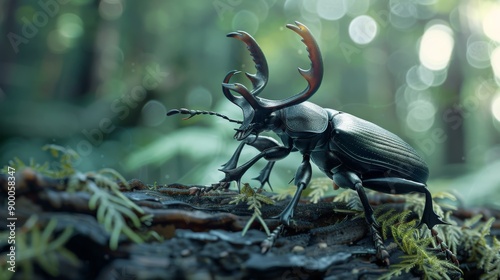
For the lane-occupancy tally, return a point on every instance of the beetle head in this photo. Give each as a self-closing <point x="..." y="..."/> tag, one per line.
<point x="257" y="111"/>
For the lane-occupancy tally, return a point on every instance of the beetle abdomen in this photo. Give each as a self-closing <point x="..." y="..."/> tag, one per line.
<point x="379" y="151"/>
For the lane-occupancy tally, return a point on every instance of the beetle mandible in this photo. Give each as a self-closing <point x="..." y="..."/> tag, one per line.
<point x="353" y="152"/>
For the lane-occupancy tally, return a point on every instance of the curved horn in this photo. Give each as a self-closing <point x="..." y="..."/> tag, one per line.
<point x="313" y="76"/>
<point x="259" y="79"/>
<point x="241" y="89"/>
<point x="225" y="90"/>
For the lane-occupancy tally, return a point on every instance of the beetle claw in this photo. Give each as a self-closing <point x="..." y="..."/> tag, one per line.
<point x="268" y="243"/>
<point x="382" y="253"/>
<point x="444" y="248"/>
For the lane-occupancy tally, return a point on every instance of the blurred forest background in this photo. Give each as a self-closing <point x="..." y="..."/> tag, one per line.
<point x="98" y="76"/>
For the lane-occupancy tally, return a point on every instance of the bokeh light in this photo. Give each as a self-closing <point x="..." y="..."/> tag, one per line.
<point x="420" y="118"/>
<point x="357" y="7"/>
<point x="156" y="21"/>
<point x="436" y="47"/>
<point x="110" y="9"/>
<point x="246" y="20"/>
<point x="58" y="43"/>
<point x="491" y="23"/>
<point x="478" y="54"/>
<point x="495" y="62"/>
<point x="70" y="25"/>
<point x="403" y="8"/>
<point x="419" y="77"/>
<point x="199" y="98"/>
<point x="153" y="113"/>
<point x="363" y="29"/>
<point x="495" y="107"/>
<point x="331" y="9"/>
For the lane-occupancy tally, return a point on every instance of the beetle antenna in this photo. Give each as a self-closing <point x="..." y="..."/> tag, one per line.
<point x="193" y="113"/>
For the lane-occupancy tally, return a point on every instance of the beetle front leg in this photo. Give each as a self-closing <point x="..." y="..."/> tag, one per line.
<point x="351" y="180"/>
<point x="264" y="174"/>
<point x="261" y="143"/>
<point x="271" y="154"/>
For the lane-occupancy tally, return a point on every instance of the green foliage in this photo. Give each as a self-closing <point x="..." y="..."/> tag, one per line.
<point x="351" y="199"/>
<point x="41" y="247"/>
<point x="486" y="255"/>
<point x="416" y="202"/>
<point x="254" y="201"/>
<point x="62" y="168"/>
<point x="451" y="233"/>
<point x="470" y="238"/>
<point x="18" y="164"/>
<point x="284" y="193"/>
<point x="318" y="187"/>
<point x="416" y="247"/>
<point x="114" y="211"/>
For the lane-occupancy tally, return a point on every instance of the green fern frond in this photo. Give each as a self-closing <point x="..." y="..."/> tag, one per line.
<point x="318" y="187"/>
<point x="42" y="247"/>
<point x="451" y="236"/>
<point x="486" y="254"/>
<point x="112" y="211"/>
<point x="351" y="198"/>
<point x="254" y="201"/>
<point x="115" y="174"/>
<point x="415" y="246"/>
<point x="470" y="223"/>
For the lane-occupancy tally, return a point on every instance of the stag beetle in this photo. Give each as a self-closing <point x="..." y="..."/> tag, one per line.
<point x="354" y="153"/>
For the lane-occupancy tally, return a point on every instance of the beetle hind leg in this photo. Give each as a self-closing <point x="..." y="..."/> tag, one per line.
<point x="429" y="217"/>
<point x="351" y="180"/>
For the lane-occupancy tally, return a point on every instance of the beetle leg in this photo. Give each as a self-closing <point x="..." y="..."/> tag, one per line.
<point x="302" y="179"/>
<point x="269" y="241"/>
<point x="429" y="217"/>
<point x="231" y="164"/>
<point x="271" y="154"/>
<point x="351" y="180"/>
<point x="264" y="174"/>
<point x="261" y="143"/>
<point x="402" y="186"/>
